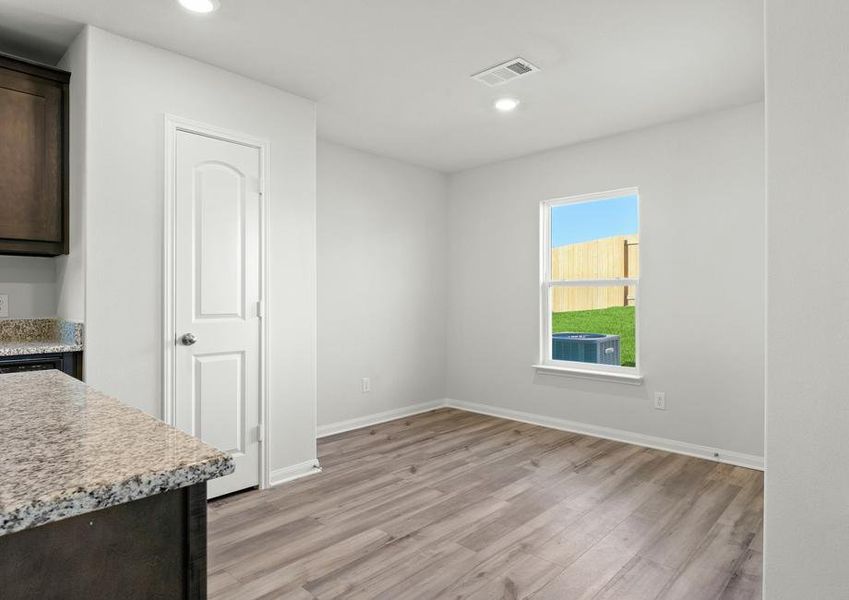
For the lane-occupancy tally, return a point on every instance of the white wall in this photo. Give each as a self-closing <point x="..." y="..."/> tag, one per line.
<point x="30" y="283"/>
<point x="702" y="292"/>
<point x="382" y="251"/>
<point x="130" y="86"/>
<point x="807" y="483"/>
<point x="70" y="268"/>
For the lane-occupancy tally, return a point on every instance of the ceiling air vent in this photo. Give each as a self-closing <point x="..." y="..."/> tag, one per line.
<point x="501" y="74"/>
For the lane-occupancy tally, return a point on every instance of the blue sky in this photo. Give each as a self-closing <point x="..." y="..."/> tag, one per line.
<point x="573" y="223"/>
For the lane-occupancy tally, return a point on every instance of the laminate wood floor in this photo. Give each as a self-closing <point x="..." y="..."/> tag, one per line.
<point x="457" y="505"/>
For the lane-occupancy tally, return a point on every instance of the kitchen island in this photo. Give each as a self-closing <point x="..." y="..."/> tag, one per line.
<point x="97" y="499"/>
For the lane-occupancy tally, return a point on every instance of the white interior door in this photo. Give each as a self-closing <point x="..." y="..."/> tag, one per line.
<point x="217" y="293"/>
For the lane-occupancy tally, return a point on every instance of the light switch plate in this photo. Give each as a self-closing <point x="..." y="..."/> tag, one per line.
<point x="4" y="305"/>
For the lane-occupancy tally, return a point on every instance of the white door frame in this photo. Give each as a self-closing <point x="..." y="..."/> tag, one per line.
<point x="174" y="124"/>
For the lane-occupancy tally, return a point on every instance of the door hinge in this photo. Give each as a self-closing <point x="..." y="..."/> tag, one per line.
<point x="260" y="309"/>
<point x="260" y="433"/>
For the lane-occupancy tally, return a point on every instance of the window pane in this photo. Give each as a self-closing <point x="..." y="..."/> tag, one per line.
<point x="595" y="240"/>
<point x="594" y="324"/>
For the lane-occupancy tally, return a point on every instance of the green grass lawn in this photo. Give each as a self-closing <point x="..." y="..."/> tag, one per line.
<point x="618" y="320"/>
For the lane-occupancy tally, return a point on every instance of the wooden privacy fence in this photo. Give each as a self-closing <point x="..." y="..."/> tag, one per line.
<point x="606" y="258"/>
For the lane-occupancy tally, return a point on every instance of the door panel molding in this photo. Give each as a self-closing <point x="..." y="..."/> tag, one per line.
<point x="172" y="125"/>
<point x="236" y="230"/>
<point x="215" y="361"/>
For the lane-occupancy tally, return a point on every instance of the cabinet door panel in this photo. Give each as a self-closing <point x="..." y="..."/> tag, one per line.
<point x="31" y="194"/>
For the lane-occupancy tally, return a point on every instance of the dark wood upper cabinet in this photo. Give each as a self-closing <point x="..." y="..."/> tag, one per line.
<point x="33" y="158"/>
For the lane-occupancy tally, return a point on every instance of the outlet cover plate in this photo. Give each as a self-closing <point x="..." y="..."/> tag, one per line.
<point x="4" y="305"/>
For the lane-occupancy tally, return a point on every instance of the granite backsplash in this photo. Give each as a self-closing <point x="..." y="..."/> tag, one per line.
<point x="41" y="330"/>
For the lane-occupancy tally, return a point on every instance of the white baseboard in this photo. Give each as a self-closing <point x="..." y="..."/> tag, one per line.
<point x="377" y="418"/>
<point x="278" y="476"/>
<point x="740" y="459"/>
<point x="725" y="456"/>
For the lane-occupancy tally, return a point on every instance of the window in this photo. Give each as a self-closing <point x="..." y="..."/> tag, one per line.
<point x="590" y="283"/>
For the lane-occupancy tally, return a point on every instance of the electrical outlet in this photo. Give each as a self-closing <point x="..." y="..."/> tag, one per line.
<point x="365" y="384"/>
<point x="660" y="400"/>
<point x="4" y="305"/>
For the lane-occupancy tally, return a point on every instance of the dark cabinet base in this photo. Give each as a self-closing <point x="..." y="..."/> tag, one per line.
<point x="67" y="362"/>
<point x="154" y="548"/>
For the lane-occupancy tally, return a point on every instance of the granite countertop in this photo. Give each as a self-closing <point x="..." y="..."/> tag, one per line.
<point x="67" y="449"/>
<point x="30" y="348"/>
<point x="20" y="337"/>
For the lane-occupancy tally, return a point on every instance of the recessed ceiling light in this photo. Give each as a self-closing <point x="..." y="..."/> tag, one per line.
<point x="200" y="6"/>
<point x="506" y="104"/>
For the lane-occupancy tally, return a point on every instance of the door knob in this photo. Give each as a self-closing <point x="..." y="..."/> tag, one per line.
<point x="188" y="339"/>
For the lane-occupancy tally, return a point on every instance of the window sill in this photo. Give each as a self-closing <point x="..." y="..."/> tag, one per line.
<point x="627" y="378"/>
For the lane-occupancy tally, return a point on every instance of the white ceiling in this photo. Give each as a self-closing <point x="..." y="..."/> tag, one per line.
<point x="392" y="76"/>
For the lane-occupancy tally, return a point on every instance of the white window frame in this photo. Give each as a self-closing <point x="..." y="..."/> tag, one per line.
<point x="581" y="369"/>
